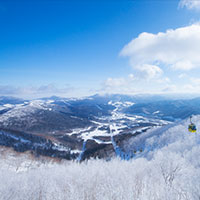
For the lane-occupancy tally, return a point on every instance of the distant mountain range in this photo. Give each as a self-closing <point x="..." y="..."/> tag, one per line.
<point x="168" y="109"/>
<point x="70" y="128"/>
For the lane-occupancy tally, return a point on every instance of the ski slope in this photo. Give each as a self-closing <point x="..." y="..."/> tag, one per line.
<point x="156" y="138"/>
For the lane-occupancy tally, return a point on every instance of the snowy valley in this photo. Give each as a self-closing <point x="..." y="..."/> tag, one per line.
<point x="92" y="127"/>
<point x="76" y="128"/>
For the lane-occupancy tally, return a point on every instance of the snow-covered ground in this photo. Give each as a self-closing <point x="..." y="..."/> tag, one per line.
<point x="117" y="122"/>
<point x="23" y="110"/>
<point x="168" y="170"/>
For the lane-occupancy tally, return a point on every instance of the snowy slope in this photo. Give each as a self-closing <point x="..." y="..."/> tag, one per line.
<point x="169" y="137"/>
<point x="40" y="116"/>
<point x="20" y="111"/>
<point x="169" y="170"/>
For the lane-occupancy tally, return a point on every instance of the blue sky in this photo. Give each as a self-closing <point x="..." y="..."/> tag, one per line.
<point x="78" y="48"/>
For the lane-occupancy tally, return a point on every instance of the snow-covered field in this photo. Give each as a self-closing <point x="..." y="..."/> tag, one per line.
<point x="117" y="122"/>
<point x="168" y="170"/>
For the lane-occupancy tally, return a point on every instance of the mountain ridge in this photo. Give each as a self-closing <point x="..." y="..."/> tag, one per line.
<point x="70" y="123"/>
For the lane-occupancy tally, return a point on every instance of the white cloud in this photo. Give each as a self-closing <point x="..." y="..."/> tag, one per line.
<point x="193" y="86"/>
<point x="183" y="65"/>
<point x="34" y="92"/>
<point x="122" y="85"/>
<point x="115" y="82"/>
<point x="178" y="48"/>
<point x="183" y="75"/>
<point x="189" y="88"/>
<point x="195" y="81"/>
<point x="131" y="76"/>
<point x="164" y="80"/>
<point x="133" y="84"/>
<point x="190" y="4"/>
<point x="149" y="71"/>
<point x="170" y="88"/>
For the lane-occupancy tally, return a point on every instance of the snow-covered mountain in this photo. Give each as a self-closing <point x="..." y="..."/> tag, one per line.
<point x="88" y="127"/>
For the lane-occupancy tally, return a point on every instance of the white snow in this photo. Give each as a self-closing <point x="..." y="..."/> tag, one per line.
<point x="75" y="151"/>
<point x="19" y="111"/>
<point x="168" y="170"/>
<point x="59" y="147"/>
<point x="117" y="122"/>
<point x="8" y="105"/>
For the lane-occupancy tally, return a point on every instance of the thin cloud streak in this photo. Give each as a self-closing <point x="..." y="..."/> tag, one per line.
<point x="190" y="4"/>
<point x="35" y="92"/>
